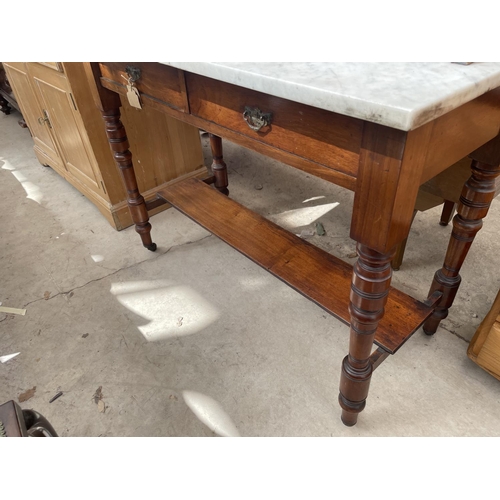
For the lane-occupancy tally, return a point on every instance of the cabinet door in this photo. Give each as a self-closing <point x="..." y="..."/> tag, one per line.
<point x="32" y="111"/>
<point x="67" y="124"/>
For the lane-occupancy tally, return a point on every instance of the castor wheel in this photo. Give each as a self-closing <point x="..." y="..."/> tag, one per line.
<point x="151" y="247"/>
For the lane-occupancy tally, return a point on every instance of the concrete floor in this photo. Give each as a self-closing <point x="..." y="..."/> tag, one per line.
<point x="195" y="340"/>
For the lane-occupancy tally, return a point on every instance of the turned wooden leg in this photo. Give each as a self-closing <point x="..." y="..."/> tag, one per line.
<point x="447" y="213"/>
<point x="219" y="168"/>
<point x="477" y="194"/>
<point x="370" y="287"/>
<point x="4" y="106"/>
<point x="123" y="158"/>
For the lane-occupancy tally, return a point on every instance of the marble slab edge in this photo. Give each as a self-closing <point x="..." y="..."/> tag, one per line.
<point x="405" y="107"/>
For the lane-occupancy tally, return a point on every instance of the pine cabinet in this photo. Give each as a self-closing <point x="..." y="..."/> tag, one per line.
<point x="68" y="135"/>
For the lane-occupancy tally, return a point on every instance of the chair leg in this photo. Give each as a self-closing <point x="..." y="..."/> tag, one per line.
<point x="449" y="208"/>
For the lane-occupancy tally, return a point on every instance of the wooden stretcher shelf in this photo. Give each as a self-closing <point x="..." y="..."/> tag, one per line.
<point x="314" y="273"/>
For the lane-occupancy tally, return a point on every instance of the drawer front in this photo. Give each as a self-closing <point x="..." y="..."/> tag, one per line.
<point x="160" y="82"/>
<point x="324" y="137"/>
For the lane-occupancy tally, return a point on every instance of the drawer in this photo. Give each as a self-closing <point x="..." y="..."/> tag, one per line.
<point x="324" y="137"/>
<point x="157" y="81"/>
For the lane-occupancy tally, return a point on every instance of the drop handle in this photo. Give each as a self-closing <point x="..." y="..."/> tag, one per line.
<point x="256" y="119"/>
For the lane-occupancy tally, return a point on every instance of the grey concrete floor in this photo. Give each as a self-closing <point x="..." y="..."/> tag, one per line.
<point x="194" y="339"/>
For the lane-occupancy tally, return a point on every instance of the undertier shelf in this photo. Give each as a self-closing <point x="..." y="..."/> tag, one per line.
<point x="314" y="273"/>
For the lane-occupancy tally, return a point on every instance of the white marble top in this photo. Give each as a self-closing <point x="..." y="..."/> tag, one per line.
<point x="399" y="95"/>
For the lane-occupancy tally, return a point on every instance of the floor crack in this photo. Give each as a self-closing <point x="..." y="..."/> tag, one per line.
<point x="114" y="272"/>
<point x="455" y="333"/>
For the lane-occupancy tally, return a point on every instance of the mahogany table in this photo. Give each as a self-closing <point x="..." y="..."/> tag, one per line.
<point x="380" y="130"/>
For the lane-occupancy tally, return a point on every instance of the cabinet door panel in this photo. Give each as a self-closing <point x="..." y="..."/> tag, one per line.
<point x="32" y="110"/>
<point x="53" y="65"/>
<point x="64" y="120"/>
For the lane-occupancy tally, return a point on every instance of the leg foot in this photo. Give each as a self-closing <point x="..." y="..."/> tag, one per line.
<point x="349" y="419"/>
<point x="151" y="247"/>
<point x="447" y="213"/>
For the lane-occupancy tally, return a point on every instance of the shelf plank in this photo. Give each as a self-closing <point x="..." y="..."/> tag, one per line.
<point x="316" y="274"/>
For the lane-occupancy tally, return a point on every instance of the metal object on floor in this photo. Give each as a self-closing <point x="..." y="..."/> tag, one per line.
<point x="16" y="422"/>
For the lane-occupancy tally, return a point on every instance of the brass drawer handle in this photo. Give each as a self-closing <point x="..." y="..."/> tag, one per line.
<point x="256" y="119"/>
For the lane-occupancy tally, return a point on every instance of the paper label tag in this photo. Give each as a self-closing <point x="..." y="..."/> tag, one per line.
<point x="133" y="97"/>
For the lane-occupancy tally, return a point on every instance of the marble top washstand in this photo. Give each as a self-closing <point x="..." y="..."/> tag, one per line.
<point x="399" y="95"/>
<point x="406" y="123"/>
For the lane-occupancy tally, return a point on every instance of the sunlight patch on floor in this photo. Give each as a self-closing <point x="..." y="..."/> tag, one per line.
<point x="302" y="216"/>
<point x="170" y="310"/>
<point x="210" y="413"/>
<point x="32" y="190"/>
<point x="314" y="198"/>
<point x="253" y="282"/>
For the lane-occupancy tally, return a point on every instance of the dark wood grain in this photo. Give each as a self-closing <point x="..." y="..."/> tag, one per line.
<point x="219" y="167"/>
<point x="400" y="250"/>
<point x="162" y="82"/>
<point x="369" y="294"/>
<point x="477" y="195"/>
<point x="314" y="273"/>
<point x="306" y="165"/>
<point x="464" y="129"/>
<point x="123" y="158"/>
<point x="490" y="152"/>
<point x="449" y="208"/>
<point x="378" y="357"/>
<point x="385" y="168"/>
<point x="322" y="136"/>
<point x="390" y="167"/>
